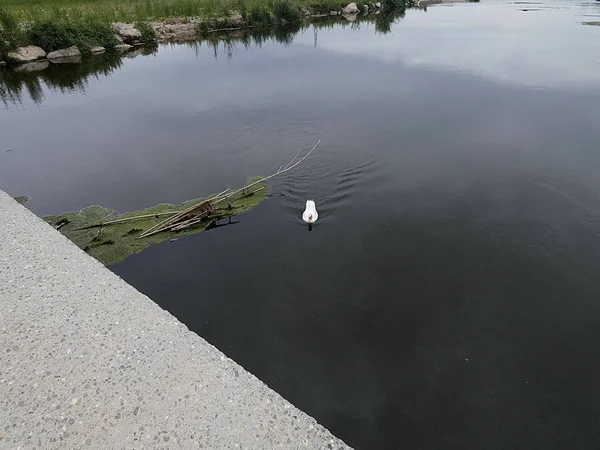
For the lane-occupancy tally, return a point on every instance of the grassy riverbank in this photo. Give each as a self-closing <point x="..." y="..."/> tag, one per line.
<point x="54" y="24"/>
<point x="143" y="10"/>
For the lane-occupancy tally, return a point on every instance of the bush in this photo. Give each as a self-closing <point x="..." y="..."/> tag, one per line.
<point x="94" y="33"/>
<point x="259" y="16"/>
<point x="148" y="34"/>
<point x="53" y="36"/>
<point x="285" y="11"/>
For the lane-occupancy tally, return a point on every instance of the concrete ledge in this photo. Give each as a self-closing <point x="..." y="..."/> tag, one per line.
<point x="88" y="362"/>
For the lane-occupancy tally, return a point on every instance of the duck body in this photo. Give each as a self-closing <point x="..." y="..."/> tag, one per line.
<point x="310" y="214"/>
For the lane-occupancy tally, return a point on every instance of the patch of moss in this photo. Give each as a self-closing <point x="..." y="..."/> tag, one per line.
<point x="111" y="244"/>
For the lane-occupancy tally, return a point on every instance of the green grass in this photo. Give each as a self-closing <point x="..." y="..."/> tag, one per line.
<point x="148" y="34"/>
<point x="286" y="12"/>
<point x="10" y="32"/>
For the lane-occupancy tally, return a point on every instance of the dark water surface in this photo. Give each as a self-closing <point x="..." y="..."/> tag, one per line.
<point x="448" y="297"/>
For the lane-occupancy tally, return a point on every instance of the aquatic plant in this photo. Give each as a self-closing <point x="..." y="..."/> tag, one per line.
<point x="110" y="243"/>
<point x="110" y="237"/>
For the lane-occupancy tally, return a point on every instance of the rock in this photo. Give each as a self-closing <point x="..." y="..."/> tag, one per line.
<point x="119" y="39"/>
<point x="350" y="17"/>
<point x="71" y="52"/>
<point x="34" y="66"/>
<point x="176" y="21"/>
<point x="365" y="8"/>
<point x="182" y="32"/>
<point x="378" y="5"/>
<point x="334" y="13"/>
<point x="123" y="47"/>
<point x="2" y="63"/>
<point x="236" y="20"/>
<point x="128" y="32"/>
<point x="351" y="9"/>
<point x="26" y="54"/>
<point x="97" y="50"/>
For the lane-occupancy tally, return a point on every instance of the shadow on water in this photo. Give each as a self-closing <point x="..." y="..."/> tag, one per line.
<point x="32" y="77"/>
<point x="227" y="42"/>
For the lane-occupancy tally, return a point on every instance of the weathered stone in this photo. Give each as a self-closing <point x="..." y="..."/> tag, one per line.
<point x="365" y="8"/>
<point x="128" y="32"/>
<point x="378" y="5"/>
<point x="119" y="39"/>
<point x="236" y="20"/>
<point x="123" y="47"/>
<point x="97" y="50"/>
<point x="2" y="63"/>
<point x="182" y="32"/>
<point x="334" y="13"/>
<point x="71" y="52"/>
<point x="26" y="54"/>
<point x="351" y="9"/>
<point x="34" y="66"/>
<point x="350" y="17"/>
<point x="176" y="21"/>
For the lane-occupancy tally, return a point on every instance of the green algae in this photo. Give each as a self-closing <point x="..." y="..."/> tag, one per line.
<point x="22" y="199"/>
<point x="112" y="243"/>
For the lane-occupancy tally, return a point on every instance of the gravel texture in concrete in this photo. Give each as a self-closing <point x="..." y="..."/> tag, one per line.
<point x="88" y="362"/>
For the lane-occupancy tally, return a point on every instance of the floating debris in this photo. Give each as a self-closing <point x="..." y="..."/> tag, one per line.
<point x="110" y="236"/>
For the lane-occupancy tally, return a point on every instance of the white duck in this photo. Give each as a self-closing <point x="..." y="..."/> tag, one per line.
<point x="310" y="214"/>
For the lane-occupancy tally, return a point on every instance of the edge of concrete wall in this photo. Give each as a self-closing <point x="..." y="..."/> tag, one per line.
<point x="87" y="361"/>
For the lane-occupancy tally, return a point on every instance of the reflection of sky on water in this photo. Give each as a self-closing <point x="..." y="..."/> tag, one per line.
<point x="545" y="46"/>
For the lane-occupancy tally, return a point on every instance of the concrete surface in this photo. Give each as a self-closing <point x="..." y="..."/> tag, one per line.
<point x="86" y="361"/>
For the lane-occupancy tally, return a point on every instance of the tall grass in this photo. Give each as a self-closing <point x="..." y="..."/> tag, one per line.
<point x="10" y="33"/>
<point x="145" y="10"/>
<point x="285" y="11"/>
<point x="83" y="34"/>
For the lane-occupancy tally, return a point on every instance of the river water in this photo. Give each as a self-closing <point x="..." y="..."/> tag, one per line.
<point x="449" y="295"/>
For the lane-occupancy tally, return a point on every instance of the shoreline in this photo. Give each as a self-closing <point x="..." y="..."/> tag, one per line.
<point x="30" y="58"/>
<point x="60" y="40"/>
